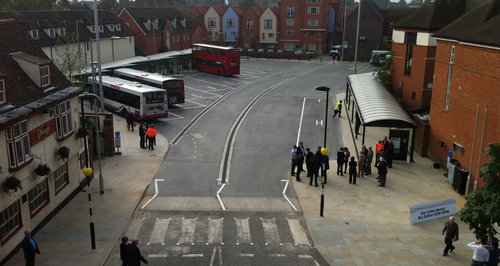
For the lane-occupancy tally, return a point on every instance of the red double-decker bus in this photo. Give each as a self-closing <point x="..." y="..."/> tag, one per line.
<point x="214" y="59"/>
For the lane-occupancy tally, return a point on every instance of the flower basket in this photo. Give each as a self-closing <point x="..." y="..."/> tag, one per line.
<point x="42" y="170"/>
<point x="12" y="183"/>
<point x="63" y="152"/>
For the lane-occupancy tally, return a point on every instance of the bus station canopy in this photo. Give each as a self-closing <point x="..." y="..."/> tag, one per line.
<point x="376" y="106"/>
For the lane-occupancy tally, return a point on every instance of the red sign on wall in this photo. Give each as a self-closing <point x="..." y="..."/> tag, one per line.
<point x="43" y="131"/>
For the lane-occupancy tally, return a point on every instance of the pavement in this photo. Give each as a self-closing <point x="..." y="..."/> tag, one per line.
<point x="363" y="224"/>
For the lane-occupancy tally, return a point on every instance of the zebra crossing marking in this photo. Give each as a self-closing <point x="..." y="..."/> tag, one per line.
<point x="187" y="231"/>
<point x="243" y="231"/>
<point x="298" y="233"/>
<point x="133" y="229"/>
<point x="215" y="231"/>
<point x="159" y="231"/>
<point x="271" y="234"/>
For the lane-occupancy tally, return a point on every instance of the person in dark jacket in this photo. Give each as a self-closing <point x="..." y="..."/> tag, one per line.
<point x="450" y="232"/>
<point x="315" y="164"/>
<point x="300" y="162"/>
<point x="340" y="161"/>
<point x="30" y="248"/>
<point x="142" y="136"/>
<point x="123" y="251"/>
<point x="353" y="167"/>
<point x="309" y="156"/>
<point x="325" y="166"/>
<point x="130" y="121"/>
<point x="382" y="172"/>
<point x="134" y="256"/>
<point x="389" y="154"/>
<point x="494" y="252"/>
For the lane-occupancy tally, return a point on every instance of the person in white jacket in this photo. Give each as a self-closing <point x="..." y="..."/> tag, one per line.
<point x="481" y="255"/>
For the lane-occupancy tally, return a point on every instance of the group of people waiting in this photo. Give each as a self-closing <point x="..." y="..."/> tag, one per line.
<point x="314" y="163"/>
<point x="147" y="132"/>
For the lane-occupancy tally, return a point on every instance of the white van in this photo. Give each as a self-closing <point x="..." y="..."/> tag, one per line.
<point x="379" y="57"/>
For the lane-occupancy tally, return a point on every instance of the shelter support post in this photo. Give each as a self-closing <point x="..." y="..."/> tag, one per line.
<point x="364" y="133"/>
<point x="413" y="130"/>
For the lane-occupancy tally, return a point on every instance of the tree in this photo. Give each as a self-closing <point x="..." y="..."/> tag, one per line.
<point x="70" y="59"/>
<point x="384" y="75"/>
<point x="481" y="211"/>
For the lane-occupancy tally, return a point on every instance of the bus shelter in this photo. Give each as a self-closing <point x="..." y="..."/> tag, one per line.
<point x="372" y="105"/>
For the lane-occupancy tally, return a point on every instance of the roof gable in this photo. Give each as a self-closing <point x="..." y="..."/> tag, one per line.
<point x="433" y="16"/>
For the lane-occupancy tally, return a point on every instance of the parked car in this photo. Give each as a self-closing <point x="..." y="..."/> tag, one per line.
<point x="270" y="50"/>
<point x="250" y="50"/>
<point x="261" y="50"/>
<point x="299" y="51"/>
<point x="279" y="51"/>
<point x="312" y="53"/>
<point x="336" y="51"/>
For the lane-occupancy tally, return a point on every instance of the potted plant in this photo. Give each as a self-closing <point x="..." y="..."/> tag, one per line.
<point x="42" y="170"/>
<point x="63" y="152"/>
<point x="12" y="183"/>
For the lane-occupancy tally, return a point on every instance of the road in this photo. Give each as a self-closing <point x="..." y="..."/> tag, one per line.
<point x="233" y="136"/>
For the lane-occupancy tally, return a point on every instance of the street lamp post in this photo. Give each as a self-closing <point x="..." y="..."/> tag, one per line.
<point x="324" y="151"/>
<point x="87" y="171"/>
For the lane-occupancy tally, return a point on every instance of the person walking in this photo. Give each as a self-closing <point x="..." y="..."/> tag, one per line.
<point x="130" y="121"/>
<point x="151" y="133"/>
<point x="123" y="251"/>
<point x="382" y="172"/>
<point x="481" y="255"/>
<point x="30" y="248"/>
<point x="293" y="154"/>
<point x="309" y="157"/>
<point x="338" y="109"/>
<point x="134" y="256"/>
<point x="346" y="158"/>
<point x="340" y="161"/>
<point x="353" y="165"/>
<point x="494" y="252"/>
<point x="142" y="136"/>
<point x="450" y="232"/>
<point x="369" y="159"/>
<point x="300" y="162"/>
<point x="361" y="164"/>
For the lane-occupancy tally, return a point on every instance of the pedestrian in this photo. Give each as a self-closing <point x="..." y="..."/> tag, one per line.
<point x="494" y="252"/>
<point x="340" y="161"/>
<point x="369" y="158"/>
<point x="301" y="147"/>
<point x="300" y="163"/>
<point x="30" y="248"/>
<point x="134" y="254"/>
<point x="378" y="147"/>
<point x="293" y="154"/>
<point x="123" y="251"/>
<point x="382" y="172"/>
<point x="151" y="133"/>
<point x="325" y="166"/>
<point x="309" y="157"/>
<point x="315" y="163"/>
<point x="353" y="165"/>
<point x="450" y="232"/>
<point x="389" y="153"/>
<point x="338" y="109"/>
<point x="346" y="158"/>
<point x="481" y="255"/>
<point x="361" y="163"/>
<point x="142" y="136"/>
<point x="130" y="120"/>
<point x="154" y="137"/>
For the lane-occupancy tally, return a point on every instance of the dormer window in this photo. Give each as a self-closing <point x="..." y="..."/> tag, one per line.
<point x="61" y="31"/>
<point x="152" y="22"/>
<point x="34" y="34"/>
<point x="2" y="91"/>
<point x="91" y="28"/>
<point x="101" y="28"/>
<point x="118" y="27"/>
<point x="51" y="32"/>
<point x="111" y="27"/>
<point x="44" y="76"/>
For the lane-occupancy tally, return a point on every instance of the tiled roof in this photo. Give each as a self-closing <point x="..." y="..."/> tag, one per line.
<point x="219" y="9"/>
<point x="67" y="19"/>
<point x="199" y="10"/>
<point x="433" y="16"/>
<point x="164" y="16"/>
<point x="256" y="10"/>
<point x="480" y="26"/>
<point x="238" y="10"/>
<point x="21" y="91"/>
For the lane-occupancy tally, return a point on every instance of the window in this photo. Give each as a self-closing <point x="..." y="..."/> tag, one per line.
<point x="92" y="28"/>
<point x="450" y="77"/>
<point x="212" y="23"/>
<point x="51" y="32"/>
<point x="290" y="11"/>
<point x="18" y="145"/>
<point x="268" y="24"/>
<point x="289" y="33"/>
<point x="411" y="40"/>
<point x="34" y="34"/>
<point x="230" y="23"/>
<point x="111" y="27"/>
<point x="101" y="28"/>
<point x="249" y="24"/>
<point x="61" y="178"/>
<point x="61" y="31"/>
<point x="313" y="10"/>
<point x="44" y="76"/>
<point x="118" y="27"/>
<point x="38" y="197"/>
<point x="312" y="22"/>
<point x="2" y="91"/>
<point x="289" y="21"/>
<point x="10" y="221"/>
<point x="270" y="35"/>
<point x="64" y="123"/>
<point x="313" y="1"/>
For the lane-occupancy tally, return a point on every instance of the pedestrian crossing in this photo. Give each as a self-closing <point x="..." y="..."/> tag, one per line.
<point x="181" y="231"/>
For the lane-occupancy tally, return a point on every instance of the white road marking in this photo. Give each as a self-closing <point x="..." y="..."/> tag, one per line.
<point x="298" y="233"/>
<point x="243" y="231"/>
<point x="215" y="230"/>
<point x="157" y="255"/>
<point x="187" y="231"/>
<point x="156" y="193"/>
<point x="192" y="255"/>
<point x="285" y="196"/>
<point x="301" y="118"/>
<point x="159" y="231"/>
<point x="271" y="233"/>
<point x="133" y="229"/>
<point x="277" y="255"/>
<point x="246" y="255"/>
<point x="320" y="122"/>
